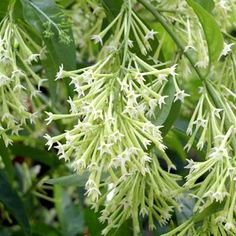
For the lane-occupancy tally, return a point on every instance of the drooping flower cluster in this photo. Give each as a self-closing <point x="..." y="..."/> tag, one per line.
<point x="112" y="134"/>
<point x="213" y="180"/>
<point x="17" y="79"/>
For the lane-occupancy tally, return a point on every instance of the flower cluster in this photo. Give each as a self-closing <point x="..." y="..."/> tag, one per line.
<point x="112" y="134"/>
<point x="213" y="180"/>
<point x="17" y="79"/>
<point x="92" y="15"/>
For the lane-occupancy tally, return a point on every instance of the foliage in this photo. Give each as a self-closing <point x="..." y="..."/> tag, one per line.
<point x="117" y="117"/>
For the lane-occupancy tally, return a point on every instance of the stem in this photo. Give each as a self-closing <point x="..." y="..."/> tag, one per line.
<point x="126" y="39"/>
<point x="175" y="38"/>
<point x="217" y="101"/>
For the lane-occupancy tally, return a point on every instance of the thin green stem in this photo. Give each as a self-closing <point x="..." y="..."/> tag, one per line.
<point x="208" y="84"/>
<point x="171" y="32"/>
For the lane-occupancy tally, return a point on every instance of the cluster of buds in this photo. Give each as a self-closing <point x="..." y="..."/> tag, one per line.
<point x="218" y="172"/>
<point x="113" y="138"/>
<point x="92" y="15"/>
<point x="112" y="134"/>
<point x="17" y="79"/>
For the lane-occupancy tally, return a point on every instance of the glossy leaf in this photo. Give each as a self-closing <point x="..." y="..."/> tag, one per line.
<point x="112" y="7"/>
<point x="13" y="203"/>
<point x="69" y="213"/>
<point x="207" y="4"/>
<point x="212" y="31"/>
<point x="163" y="113"/>
<point x="75" y="179"/>
<point x="3" y="7"/>
<point x="208" y="211"/>
<point x="36" y="154"/>
<point x="37" y="13"/>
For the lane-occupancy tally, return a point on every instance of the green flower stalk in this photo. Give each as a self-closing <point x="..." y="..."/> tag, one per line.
<point x="17" y="79"/>
<point x="113" y="135"/>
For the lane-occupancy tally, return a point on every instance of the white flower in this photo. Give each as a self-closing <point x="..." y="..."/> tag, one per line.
<point x="161" y="100"/>
<point x="79" y="165"/>
<point x="105" y="148"/>
<point x="122" y="159"/>
<point x="140" y="79"/>
<point x="49" y="141"/>
<point x="150" y="35"/>
<point x="219" y="196"/>
<point x="180" y="95"/>
<point x="33" y="57"/>
<point x="219" y="153"/>
<point x="94" y="193"/>
<point x="191" y="165"/>
<point x="132" y="97"/>
<point x="145" y="158"/>
<point x="124" y="86"/>
<point x="97" y="38"/>
<point x="111" y="194"/>
<point x="200" y="123"/>
<point x="223" y="4"/>
<point x="152" y="103"/>
<point x="73" y="107"/>
<point x="116" y="137"/>
<point x="50" y="117"/>
<point x="4" y="80"/>
<point x="229" y="226"/>
<point x="130" y="43"/>
<point x="217" y="112"/>
<point x="61" y="152"/>
<point x="143" y="211"/>
<point x="161" y="78"/>
<point x="227" y="49"/>
<point x="60" y="72"/>
<point x="131" y="111"/>
<point x="173" y="70"/>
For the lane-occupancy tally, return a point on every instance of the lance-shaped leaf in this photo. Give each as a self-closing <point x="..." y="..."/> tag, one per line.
<point x="212" y="31"/>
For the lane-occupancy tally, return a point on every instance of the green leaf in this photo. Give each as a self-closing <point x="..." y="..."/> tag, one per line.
<point x="36" y="154"/>
<point x="91" y="219"/>
<point x="13" y="203"/>
<point x="39" y="12"/>
<point x="208" y="211"/>
<point x="212" y="31"/>
<point x="176" y="145"/>
<point x="112" y="7"/>
<point x="69" y="213"/>
<point x="207" y="4"/>
<point x="41" y="229"/>
<point x="169" y="90"/>
<point x="6" y="158"/>
<point x="75" y="179"/>
<point x="3" y="7"/>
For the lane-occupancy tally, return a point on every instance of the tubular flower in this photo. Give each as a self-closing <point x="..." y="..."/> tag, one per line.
<point x="113" y="138"/>
<point x="17" y="79"/>
<point x="207" y="127"/>
<point x="112" y="134"/>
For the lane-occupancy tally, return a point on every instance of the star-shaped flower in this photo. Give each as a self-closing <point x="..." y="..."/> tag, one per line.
<point x="150" y="35"/>
<point x="161" y="101"/>
<point x="60" y="72"/>
<point x="97" y="38"/>
<point x="180" y="95"/>
<point x="227" y="49"/>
